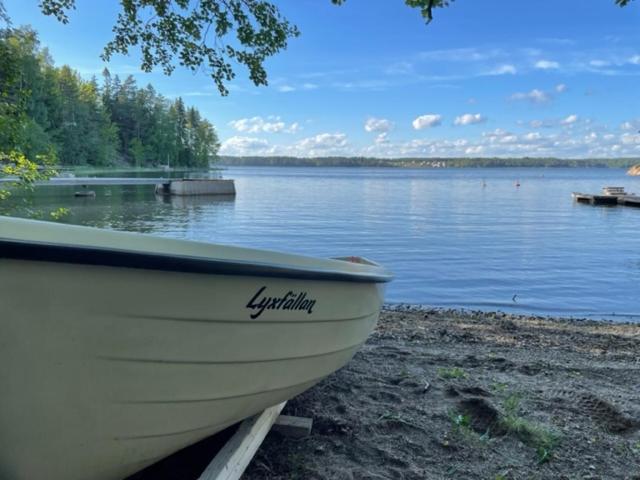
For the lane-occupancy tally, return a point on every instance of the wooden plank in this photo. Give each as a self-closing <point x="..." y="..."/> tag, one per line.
<point x="233" y="459"/>
<point x="295" y="427"/>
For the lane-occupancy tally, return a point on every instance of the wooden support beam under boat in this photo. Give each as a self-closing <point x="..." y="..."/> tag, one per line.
<point x="233" y="459"/>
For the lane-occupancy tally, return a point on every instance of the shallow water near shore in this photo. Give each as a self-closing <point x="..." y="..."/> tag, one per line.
<point x="453" y="237"/>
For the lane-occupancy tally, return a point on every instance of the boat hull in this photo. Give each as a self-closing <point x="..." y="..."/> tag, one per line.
<point x="107" y="369"/>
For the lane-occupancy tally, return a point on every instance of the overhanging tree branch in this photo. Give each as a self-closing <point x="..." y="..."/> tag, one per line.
<point x="174" y="32"/>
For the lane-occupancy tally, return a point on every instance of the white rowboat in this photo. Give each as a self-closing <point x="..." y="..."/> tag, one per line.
<point x="117" y="349"/>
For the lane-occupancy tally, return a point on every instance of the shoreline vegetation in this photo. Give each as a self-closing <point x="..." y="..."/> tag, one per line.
<point x="451" y="394"/>
<point x="479" y="162"/>
<point x="53" y="112"/>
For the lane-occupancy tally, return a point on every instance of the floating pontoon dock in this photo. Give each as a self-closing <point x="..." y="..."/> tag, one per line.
<point x="609" y="196"/>
<point x="165" y="186"/>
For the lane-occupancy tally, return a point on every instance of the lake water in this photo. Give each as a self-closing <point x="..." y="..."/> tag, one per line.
<point x="449" y="240"/>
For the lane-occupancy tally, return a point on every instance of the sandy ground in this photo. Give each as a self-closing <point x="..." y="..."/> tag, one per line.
<point x="467" y="395"/>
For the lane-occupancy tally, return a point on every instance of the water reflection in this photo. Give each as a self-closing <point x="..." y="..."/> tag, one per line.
<point x="183" y="201"/>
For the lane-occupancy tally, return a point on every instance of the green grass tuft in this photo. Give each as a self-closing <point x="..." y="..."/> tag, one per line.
<point x="450" y="373"/>
<point x="542" y="439"/>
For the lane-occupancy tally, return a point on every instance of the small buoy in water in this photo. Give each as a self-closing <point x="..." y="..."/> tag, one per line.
<point x="85" y="193"/>
<point x="484" y="184"/>
<point x="517" y="183"/>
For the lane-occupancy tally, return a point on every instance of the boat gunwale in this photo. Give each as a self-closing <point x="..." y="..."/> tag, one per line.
<point x="112" y="257"/>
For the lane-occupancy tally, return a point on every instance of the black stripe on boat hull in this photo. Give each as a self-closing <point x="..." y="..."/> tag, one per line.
<point x="46" y="252"/>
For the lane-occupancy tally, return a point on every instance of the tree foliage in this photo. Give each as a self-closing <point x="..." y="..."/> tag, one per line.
<point x="49" y="112"/>
<point x="208" y="35"/>
<point x="211" y="35"/>
<point x="426" y="7"/>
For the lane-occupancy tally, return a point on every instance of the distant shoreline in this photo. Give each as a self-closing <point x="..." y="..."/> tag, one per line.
<point x="430" y="163"/>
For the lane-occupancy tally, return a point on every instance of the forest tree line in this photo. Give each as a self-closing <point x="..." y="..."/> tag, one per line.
<point x="431" y="162"/>
<point x="54" y="112"/>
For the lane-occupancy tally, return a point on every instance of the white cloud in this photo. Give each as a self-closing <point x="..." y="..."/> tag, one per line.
<point x="541" y="124"/>
<point x="564" y="143"/>
<point x="532" y="136"/>
<point x="534" y="96"/>
<point x="382" y="139"/>
<point x="469" y="119"/>
<point x="500" y="136"/>
<point x="599" y="63"/>
<point x="309" y="86"/>
<point x="635" y="60"/>
<point x="561" y="88"/>
<point x="323" y="142"/>
<point x="571" y="119"/>
<point x="318" y="145"/>
<point x="462" y="54"/>
<point x="378" y="125"/>
<point x="630" y="139"/>
<point x="293" y="128"/>
<point x="286" y="88"/>
<point x="400" y="68"/>
<point x="261" y="125"/>
<point x="506" y="69"/>
<point x="630" y="125"/>
<point x="243" y="146"/>
<point x="475" y="150"/>
<point x="427" y="121"/>
<point x="546" y="65"/>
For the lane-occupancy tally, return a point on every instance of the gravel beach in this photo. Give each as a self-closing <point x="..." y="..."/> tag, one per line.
<point x="470" y="395"/>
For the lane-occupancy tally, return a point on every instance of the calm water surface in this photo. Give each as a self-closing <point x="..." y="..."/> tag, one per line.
<point x="450" y="241"/>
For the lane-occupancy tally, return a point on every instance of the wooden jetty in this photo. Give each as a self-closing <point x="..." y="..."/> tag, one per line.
<point x="82" y="181"/>
<point x="609" y="196"/>
<point x="164" y="186"/>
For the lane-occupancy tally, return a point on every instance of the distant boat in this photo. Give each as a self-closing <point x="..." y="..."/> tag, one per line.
<point x="517" y="184"/>
<point x="119" y="349"/>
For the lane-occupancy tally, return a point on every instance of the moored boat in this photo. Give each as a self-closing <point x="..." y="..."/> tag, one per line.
<point x="117" y="349"/>
<point x="615" y="191"/>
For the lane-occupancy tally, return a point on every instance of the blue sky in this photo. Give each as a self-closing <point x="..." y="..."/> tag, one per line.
<point x="486" y="78"/>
